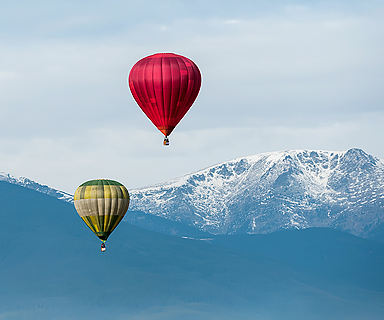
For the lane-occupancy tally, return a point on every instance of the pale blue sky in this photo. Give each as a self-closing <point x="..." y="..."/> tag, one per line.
<point x="277" y="75"/>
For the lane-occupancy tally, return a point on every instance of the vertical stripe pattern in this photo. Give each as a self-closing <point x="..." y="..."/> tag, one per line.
<point x="101" y="204"/>
<point x="165" y="85"/>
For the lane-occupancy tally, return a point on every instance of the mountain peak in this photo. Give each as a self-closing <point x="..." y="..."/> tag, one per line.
<point x="271" y="191"/>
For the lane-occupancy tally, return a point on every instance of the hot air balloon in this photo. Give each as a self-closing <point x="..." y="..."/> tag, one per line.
<point x="165" y="85"/>
<point x="101" y="204"/>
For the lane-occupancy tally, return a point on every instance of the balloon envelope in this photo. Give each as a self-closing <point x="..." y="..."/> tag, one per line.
<point x="165" y="85"/>
<point x="101" y="204"/>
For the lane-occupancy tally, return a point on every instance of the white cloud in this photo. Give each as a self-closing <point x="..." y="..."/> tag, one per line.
<point x="297" y="78"/>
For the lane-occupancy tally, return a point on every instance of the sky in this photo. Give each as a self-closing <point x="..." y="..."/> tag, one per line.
<point x="277" y="75"/>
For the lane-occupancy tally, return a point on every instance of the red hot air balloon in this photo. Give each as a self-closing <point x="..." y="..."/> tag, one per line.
<point x="165" y="85"/>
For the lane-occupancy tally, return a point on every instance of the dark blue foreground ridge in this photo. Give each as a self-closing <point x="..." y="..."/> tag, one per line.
<point x="52" y="268"/>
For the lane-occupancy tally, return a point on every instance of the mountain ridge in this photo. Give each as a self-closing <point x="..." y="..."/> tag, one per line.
<point x="261" y="193"/>
<point x="272" y="191"/>
<point x="52" y="268"/>
<point x="30" y="184"/>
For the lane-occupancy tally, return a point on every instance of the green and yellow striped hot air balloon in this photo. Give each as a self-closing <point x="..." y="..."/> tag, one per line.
<point x="102" y="204"/>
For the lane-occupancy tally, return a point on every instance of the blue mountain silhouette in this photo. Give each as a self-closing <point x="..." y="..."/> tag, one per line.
<point x="51" y="267"/>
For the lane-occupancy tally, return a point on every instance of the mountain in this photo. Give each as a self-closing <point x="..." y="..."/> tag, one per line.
<point x="274" y="191"/>
<point x="261" y="194"/>
<point x="51" y="267"/>
<point x="25" y="182"/>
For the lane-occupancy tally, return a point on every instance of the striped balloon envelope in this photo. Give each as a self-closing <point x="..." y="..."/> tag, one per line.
<point x="165" y="85"/>
<point x="101" y="204"/>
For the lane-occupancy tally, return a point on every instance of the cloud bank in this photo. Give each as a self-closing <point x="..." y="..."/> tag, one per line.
<point x="275" y="77"/>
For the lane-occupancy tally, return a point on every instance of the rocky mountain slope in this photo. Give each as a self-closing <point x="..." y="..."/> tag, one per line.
<point x="271" y="191"/>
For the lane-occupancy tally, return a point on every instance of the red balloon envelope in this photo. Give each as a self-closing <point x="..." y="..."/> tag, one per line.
<point x="165" y="85"/>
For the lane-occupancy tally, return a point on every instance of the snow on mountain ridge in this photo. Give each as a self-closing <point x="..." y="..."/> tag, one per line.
<point x="270" y="191"/>
<point x="215" y="179"/>
<point x="25" y="182"/>
<point x="265" y="192"/>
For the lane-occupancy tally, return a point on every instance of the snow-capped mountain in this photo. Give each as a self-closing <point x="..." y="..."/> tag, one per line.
<point x="25" y="182"/>
<point x="271" y="191"/>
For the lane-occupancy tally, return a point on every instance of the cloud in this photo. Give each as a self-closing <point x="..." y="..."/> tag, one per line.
<point x="273" y="78"/>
